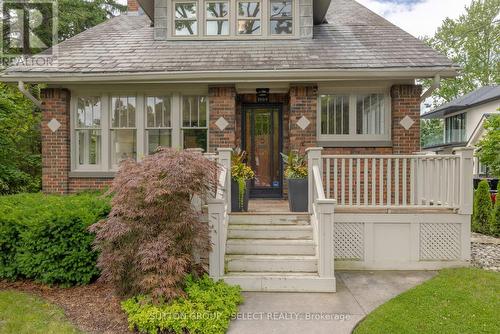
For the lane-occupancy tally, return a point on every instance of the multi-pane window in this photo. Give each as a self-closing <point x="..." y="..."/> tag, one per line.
<point x="455" y="129"/>
<point x="249" y="22"/>
<point x="281" y="17"/>
<point x="334" y="114"/>
<point x="158" y="123"/>
<point x="354" y="117"/>
<point x="123" y="129"/>
<point x="217" y="18"/>
<point x="370" y="114"/>
<point x="194" y="122"/>
<point x="186" y="18"/>
<point x="88" y="131"/>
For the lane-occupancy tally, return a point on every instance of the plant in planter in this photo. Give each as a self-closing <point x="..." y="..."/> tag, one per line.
<point x="296" y="175"/>
<point x="241" y="174"/>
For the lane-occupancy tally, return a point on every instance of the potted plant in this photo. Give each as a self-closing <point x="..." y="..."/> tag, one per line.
<point x="296" y="175"/>
<point x="241" y="174"/>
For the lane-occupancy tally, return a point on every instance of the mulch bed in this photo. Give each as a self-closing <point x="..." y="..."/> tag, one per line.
<point x="92" y="308"/>
<point x="485" y="252"/>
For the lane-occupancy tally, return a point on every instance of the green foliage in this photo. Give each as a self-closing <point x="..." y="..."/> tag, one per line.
<point x="482" y="208"/>
<point x="461" y="301"/>
<point x="21" y="313"/>
<point x="489" y="147"/>
<point x="495" y="215"/>
<point x="431" y="132"/>
<point x="20" y="162"/>
<point x="207" y="309"/>
<point x="45" y="237"/>
<point x="296" y="167"/>
<point x="472" y="41"/>
<point x="241" y="173"/>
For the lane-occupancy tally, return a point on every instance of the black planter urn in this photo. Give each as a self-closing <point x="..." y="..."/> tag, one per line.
<point x="235" y="197"/>
<point x="298" y="195"/>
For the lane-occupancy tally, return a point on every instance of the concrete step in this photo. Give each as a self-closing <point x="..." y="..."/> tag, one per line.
<point x="269" y="218"/>
<point x="270" y="231"/>
<point x="270" y="247"/>
<point x="271" y="263"/>
<point x="289" y="282"/>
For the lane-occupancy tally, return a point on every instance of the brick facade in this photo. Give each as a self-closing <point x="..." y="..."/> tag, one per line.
<point x="55" y="145"/>
<point x="222" y="103"/>
<point x="405" y="102"/>
<point x="303" y="102"/>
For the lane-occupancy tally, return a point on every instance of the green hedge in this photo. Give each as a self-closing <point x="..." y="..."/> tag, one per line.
<point x="207" y="309"/>
<point x="45" y="237"/>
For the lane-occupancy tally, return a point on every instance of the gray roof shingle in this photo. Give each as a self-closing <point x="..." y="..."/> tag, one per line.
<point x="355" y="38"/>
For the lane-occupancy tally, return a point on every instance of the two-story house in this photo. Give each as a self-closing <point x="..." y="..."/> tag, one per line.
<point x="328" y="77"/>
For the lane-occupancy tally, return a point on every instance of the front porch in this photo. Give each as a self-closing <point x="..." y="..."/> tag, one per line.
<point x="378" y="213"/>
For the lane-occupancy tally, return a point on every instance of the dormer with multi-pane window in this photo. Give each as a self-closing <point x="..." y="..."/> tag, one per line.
<point x="232" y="19"/>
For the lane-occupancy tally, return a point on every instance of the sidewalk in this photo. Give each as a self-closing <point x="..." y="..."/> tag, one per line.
<point x="358" y="293"/>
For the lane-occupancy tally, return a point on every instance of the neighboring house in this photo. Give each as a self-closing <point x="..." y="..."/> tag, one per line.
<point x="464" y="122"/>
<point x="268" y="76"/>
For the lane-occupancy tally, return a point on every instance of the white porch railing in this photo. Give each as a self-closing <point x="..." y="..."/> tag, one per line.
<point x="218" y="213"/>
<point x="389" y="181"/>
<point x="322" y="216"/>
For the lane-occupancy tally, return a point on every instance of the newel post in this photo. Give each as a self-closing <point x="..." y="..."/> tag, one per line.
<point x="466" y="155"/>
<point x="326" y="236"/>
<point x="225" y="160"/>
<point x="216" y="208"/>
<point x="313" y="159"/>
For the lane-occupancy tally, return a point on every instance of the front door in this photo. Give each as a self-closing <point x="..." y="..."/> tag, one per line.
<point x="262" y="140"/>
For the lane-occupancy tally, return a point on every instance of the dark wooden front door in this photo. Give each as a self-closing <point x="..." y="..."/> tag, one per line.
<point x="262" y="140"/>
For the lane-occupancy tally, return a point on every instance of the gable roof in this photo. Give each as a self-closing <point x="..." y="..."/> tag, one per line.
<point x="355" y="42"/>
<point x="479" y="96"/>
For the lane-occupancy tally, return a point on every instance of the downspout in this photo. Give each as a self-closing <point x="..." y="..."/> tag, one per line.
<point x="26" y="93"/>
<point x="435" y="85"/>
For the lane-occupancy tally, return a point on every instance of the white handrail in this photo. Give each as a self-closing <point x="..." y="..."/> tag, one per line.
<point x="318" y="184"/>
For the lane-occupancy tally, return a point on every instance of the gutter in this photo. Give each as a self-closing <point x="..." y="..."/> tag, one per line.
<point x="435" y="85"/>
<point x="26" y="93"/>
<point x="233" y="76"/>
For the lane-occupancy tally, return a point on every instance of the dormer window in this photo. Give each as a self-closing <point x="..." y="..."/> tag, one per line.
<point x="233" y="19"/>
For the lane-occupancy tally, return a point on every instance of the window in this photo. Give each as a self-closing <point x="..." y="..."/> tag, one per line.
<point x="370" y="114"/>
<point x="354" y="117"/>
<point x="217" y="18"/>
<point x="281" y="17"/>
<point x="334" y="114"/>
<point x="186" y="18"/>
<point x="158" y="123"/>
<point x="194" y="122"/>
<point x="88" y="131"/>
<point x="248" y="18"/>
<point x="455" y="129"/>
<point x="123" y="129"/>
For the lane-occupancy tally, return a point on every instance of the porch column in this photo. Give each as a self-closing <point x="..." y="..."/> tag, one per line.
<point x="406" y="103"/>
<point x="222" y="110"/>
<point x="55" y="140"/>
<point x="303" y="103"/>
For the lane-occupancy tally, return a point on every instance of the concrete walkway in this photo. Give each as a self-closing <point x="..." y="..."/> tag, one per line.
<point x="358" y="293"/>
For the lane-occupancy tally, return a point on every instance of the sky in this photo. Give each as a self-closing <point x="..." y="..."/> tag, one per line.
<point x="418" y="17"/>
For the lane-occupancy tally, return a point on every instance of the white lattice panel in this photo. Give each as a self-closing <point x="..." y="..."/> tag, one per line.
<point x="349" y="241"/>
<point x="439" y="241"/>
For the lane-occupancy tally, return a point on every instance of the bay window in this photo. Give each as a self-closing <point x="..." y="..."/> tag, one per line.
<point x="281" y="17"/>
<point x="454" y="129"/>
<point x="88" y="132"/>
<point x="186" y="18"/>
<point x="249" y="17"/>
<point x="217" y="18"/>
<point x="194" y="122"/>
<point x="354" y="117"/>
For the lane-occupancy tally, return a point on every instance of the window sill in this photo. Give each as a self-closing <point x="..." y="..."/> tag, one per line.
<point x="354" y="143"/>
<point x="92" y="174"/>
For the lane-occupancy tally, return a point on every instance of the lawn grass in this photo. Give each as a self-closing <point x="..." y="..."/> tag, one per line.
<point x="21" y="313"/>
<point x="464" y="300"/>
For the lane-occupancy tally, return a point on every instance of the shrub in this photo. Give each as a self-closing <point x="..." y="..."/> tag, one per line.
<point x="207" y="309"/>
<point x="148" y="243"/>
<point x="45" y="237"/>
<point x="482" y="208"/>
<point x="495" y="216"/>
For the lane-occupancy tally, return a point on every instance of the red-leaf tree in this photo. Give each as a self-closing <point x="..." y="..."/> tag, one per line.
<point x="150" y="240"/>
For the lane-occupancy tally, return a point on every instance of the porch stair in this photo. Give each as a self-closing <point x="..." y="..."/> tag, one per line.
<point x="273" y="252"/>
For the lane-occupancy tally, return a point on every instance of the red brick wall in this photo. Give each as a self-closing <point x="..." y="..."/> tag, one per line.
<point x="77" y="185"/>
<point x="222" y="101"/>
<point x="303" y="102"/>
<point x="405" y="102"/>
<point x="55" y="145"/>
